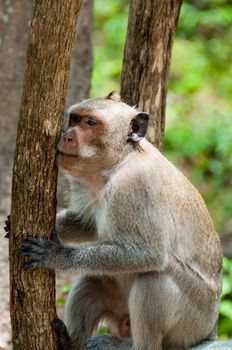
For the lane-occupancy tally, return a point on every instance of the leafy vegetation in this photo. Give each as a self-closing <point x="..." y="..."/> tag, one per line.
<point x="109" y="38"/>
<point x="199" y="105"/>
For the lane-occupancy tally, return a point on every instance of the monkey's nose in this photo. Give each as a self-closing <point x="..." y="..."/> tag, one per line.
<point x="68" y="139"/>
<point x="68" y="136"/>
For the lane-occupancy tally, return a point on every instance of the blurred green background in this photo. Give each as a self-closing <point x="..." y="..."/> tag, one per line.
<point x="199" y="104"/>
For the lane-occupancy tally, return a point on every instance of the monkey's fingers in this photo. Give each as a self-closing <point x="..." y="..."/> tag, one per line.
<point x="37" y="241"/>
<point x="28" y="248"/>
<point x="32" y="264"/>
<point x="55" y="236"/>
<point x="7" y="227"/>
<point x="34" y="249"/>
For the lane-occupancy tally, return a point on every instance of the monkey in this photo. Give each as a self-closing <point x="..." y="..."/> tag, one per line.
<point x="137" y="232"/>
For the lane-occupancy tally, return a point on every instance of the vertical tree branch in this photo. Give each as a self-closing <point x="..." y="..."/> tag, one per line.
<point x="151" y="30"/>
<point x="35" y="171"/>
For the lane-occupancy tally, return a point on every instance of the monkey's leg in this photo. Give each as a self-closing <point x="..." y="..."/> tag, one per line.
<point x="62" y="334"/>
<point x="150" y="310"/>
<point x="89" y="301"/>
<point x="84" y="310"/>
<point x="164" y="316"/>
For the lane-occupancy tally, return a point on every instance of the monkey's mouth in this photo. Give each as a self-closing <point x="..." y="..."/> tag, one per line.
<point x="63" y="156"/>
<point x="67" y="154"/>
<point x="67" y="148"/>
<point x="67" y="161"/>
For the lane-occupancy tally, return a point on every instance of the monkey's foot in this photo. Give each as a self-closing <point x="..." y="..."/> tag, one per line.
<point x="62" y="334"/>
<point x="7" y="227"/>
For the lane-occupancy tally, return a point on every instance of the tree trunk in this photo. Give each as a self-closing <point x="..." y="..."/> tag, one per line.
<point x="35" y="171"/>
<point x="151" y="30"/>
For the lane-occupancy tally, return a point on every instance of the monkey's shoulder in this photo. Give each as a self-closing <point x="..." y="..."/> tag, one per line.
<point x="148" y="171"/>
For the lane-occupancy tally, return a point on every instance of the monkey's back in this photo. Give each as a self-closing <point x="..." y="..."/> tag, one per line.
<point x="165" y="208"/>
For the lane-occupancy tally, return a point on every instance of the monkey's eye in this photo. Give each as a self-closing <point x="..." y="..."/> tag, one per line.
<point x="74" y="119"/>
<point x="91" y="122"/>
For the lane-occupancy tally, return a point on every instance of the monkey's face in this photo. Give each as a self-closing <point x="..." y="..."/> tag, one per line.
<point x="99" y="134"/>
<point x="80" y="144"/>
<point x="78" y="139"/>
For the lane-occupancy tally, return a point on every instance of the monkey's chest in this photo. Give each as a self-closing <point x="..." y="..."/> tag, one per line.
<point x="104" y="230"/>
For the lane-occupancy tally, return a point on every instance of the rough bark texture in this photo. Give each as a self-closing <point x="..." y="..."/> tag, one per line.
<point x="35" y="172"/>
<point x="151" y="30"/>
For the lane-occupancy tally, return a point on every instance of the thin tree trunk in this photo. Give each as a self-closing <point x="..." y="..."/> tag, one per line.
<point x="151" y="30"/>
<point x="35" y="172"/>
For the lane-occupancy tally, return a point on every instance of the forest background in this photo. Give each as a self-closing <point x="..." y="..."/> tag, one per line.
<point x="198" y="114"/>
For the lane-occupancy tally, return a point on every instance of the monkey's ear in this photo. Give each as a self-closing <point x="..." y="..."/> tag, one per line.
<point x="114" y="96"/>
<point x="138" y="127"/>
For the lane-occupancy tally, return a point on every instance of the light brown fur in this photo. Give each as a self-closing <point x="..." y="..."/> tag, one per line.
<point x="153" y="252"/>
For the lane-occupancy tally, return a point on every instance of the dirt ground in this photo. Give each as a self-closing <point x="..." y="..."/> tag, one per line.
<point x="62" y="279"/>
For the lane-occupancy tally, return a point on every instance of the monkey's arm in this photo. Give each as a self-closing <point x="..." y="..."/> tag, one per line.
<point x="71" y="229"/>
<point x="108" y="257"/>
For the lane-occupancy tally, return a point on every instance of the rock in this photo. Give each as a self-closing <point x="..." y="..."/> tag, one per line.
<point x="215" y="345"/>
<point x="108" y="342"/>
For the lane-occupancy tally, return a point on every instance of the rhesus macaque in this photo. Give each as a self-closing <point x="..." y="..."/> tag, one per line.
<point x="152" y="254"/>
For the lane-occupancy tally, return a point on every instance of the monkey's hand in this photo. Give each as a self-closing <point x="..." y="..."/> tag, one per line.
<point x="40" y="251"/>
<point x="7" y="227"/>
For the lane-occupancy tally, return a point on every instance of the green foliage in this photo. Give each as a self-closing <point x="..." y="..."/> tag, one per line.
<point x="60" y="301"/>
<point x="66" y="288"/>
<point x="225" y="320"/>
<point x="102" y="331"/>
<point x="202" y="148"/>
<point x="109" y="38"/>
<point x="199" y="105"/>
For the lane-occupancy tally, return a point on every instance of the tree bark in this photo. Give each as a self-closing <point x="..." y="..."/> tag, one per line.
<point x="151" y="30"/>
<point x="35" y="171"/>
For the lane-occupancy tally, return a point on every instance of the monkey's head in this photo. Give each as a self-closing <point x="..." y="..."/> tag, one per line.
<point x="100" y="133"/>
